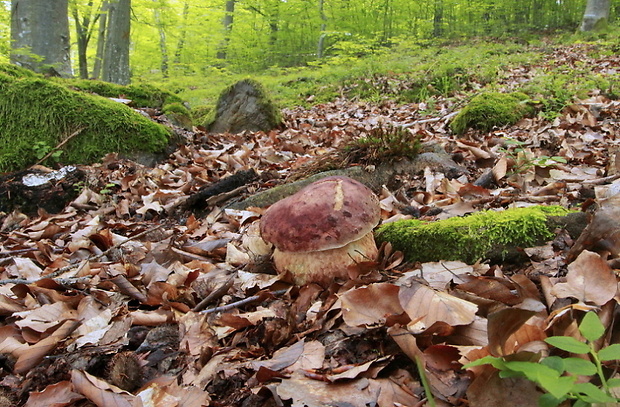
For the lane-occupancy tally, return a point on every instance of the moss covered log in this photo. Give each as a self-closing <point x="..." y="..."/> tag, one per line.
<point x="471" y="238"/>
<point x="37" y="114"/>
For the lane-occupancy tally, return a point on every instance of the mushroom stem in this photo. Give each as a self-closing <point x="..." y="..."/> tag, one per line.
<point x="325" y="266"/>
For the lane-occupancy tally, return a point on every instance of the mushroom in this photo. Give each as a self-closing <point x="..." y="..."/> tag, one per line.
<point x="322" y="229"/>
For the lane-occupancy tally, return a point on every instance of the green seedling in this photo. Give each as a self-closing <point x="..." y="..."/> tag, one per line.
<point x="558" y="376"/>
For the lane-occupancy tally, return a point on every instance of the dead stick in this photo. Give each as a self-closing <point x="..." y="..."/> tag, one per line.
<point x="62" y="143"/>
<point x="215" y="294"/>
<point x="240" y="302"/>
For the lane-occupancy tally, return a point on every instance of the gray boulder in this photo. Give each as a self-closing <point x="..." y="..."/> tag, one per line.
<point x="244" y="106"/>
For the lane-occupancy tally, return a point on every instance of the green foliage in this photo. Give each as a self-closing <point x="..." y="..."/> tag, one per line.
<point x="37" y="114"/>
<point x="524" y="160"/>
<point x="559" y="376"/>
<point x="472" y="237"/>
<point x="491" y="109"/>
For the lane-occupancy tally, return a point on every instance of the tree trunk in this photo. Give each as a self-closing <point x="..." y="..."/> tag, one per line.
<point x="181" y="44"/>
<point x="40" y="36"/>
<point x="116" y="50"/>
<point x="162" y="39"/>
<point x="596" y="15"/>
<point x="227" y="23"/>
<point x="83" y="31"/>
<point x="103" y="21"/>
<point x="320" y="48"/>
<point x="438" y="19"/>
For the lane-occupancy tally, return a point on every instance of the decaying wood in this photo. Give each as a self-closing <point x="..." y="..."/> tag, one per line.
<point x="225" y="185"/>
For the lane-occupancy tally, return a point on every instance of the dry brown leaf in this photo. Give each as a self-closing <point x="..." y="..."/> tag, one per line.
<point x="57" y="394"/>
<point x="589" y="279"/>
<point x="489" y="390"/>
<point x="99" y="392"/>
<point x="370" y="305"/>
<point x="34" y="354"/>
<point x="305" y="392"/>
<point x="502" y="324"/>
<point x="426" y="306"/>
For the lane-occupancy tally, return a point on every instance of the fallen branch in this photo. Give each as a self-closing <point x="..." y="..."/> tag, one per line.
<point x="242" y="302"/>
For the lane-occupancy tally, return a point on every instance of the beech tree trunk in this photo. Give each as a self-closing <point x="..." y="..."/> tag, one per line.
<point x="227" y="22"/>
<point x="596" y="15"/>
<point x="103" y="21"/>
<point x="40" y="36"/>
<point x="115" y="67"/>
<point x="83" y="30"/>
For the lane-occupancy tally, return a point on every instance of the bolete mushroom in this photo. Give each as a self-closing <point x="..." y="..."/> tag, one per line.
<point x="322" y="229"/>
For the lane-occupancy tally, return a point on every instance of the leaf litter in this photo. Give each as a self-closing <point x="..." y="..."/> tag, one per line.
<point x="126" y="283"/>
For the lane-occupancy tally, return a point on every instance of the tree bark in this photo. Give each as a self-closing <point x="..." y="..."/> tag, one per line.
<point x="83" y="31"/>
<point x="115" y="67"/>
<point x="227" y="22"/>
<point x="320" y="48"/>
<point x="40" y="36"/>
<point x="596" y="15"/>
<point x="162" y="38"/>
<point x="181" y="43"/>
<point x="103" y="22"/>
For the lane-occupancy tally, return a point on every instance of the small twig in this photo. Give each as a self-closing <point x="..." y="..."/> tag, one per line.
<point x="241" y="302"/>
<point x="215" y="294"/>
<point x="433" y="120"/>
<point x="62" y="143"/>
<point x="19" y="251"/>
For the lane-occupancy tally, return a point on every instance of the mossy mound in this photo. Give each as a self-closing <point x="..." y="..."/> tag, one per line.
<point x="37" y="114"/>
<point x="142" y="95"/>
<point x="491" y="109"/>
<point x="178" y="114"/>
<point x="15" y="71"/>
<point x="473" y="237"/>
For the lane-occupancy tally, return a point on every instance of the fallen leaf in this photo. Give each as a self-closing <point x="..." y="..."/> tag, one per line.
<point x="425" y="306"/>
<point x="589" y="279"/>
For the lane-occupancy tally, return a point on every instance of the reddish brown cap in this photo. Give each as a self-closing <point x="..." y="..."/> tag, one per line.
<point x="326" y="214"/>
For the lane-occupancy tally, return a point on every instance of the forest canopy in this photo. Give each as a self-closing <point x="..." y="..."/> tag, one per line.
<point x="191" y="37"/>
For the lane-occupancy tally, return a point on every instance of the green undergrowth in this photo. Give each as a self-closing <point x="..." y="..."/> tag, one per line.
<point x="470" y="238"/>
<point x="409" y="72"/>
<point x="492" y="109"/>
<point x="37" y="114"/>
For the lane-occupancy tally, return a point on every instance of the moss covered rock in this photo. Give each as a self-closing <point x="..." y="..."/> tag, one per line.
<point x="244" y="106"/>
<point x="473" y="237"/>
<point x="491" y="109"/>
<point x="178" y="114"/>
<point x="37" y="114"/>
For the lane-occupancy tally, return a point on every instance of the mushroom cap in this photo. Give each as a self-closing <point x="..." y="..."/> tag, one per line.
<point x="327" y="214"/>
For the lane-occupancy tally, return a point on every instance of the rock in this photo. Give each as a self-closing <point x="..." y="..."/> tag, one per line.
<point x="244" y="106"/>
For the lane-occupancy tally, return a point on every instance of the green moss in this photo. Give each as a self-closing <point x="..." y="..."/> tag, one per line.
<point x="142" y="95"/>
<point x="178" y="114"/>
<point x="470" y="238"/>
<point x="37" y="114"/>
<point x="16" y="71"/>
<point x="202" y="114"/>
<point x="491" y="109"/>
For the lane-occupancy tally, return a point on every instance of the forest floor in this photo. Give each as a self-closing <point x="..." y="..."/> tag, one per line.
<point x="103" y="303"/>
